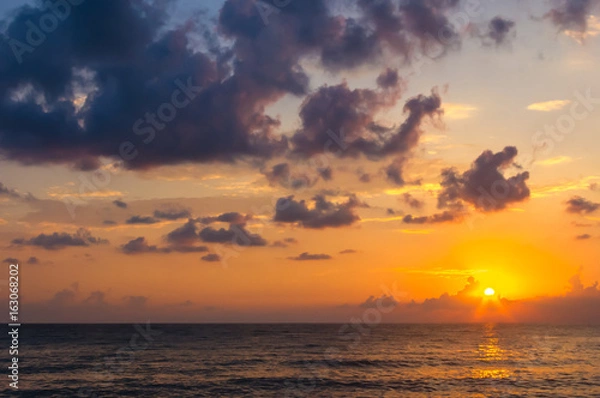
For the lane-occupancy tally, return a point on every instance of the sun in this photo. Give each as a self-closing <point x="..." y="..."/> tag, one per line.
<point x="489" y="291"/>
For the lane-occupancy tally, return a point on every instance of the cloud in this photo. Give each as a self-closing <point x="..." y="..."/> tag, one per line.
<point x="10" y="260"/>
<point x="120" y="203"/>
<point x="484" y="185"/>
<point x="141" y="220"/>
<point x="14" y="194"/>
<point x="595" y="186"/>
<point x="411" y="201"/>
<point x="572" y="15"/>
<point x="212" y="257"/>
<point x="109" y="222"/>
<point x="172" y="214"/>
<point x="583" y="237"/>
<point x="281" y="174"/>
<point x="323" y="214"/>
<point x="235" y="234"/>
<point x="384" y="301"/>
<point x="498" y="30"/>
<point x="57" y="241"/>
<point x="230" y="217"/>
<point x="33" y="260"/>
<point x="348" y="251"/>
<point x="341" y="121"/>
<point x="580" y="205"/>
<point x="548" y="106"/>
<point x="446" y="216"/>
<point x="140" y="245"/>
<point x="310" y="257"/>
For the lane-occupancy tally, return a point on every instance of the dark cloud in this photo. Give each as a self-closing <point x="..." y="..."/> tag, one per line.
<point x="281" y="174"/>
<point x="348" y="251"/>
<point x="185" y="235"/>
<point x="411" y="201"/>
<point x="364" y="178"/>
<point x="326" y="173"/>
<point x="499" y="29"/>
<point x="231" y="218"/>
<point x="284" y="243"/>
<point x="14" y="194"/>
<point x="572" y="14"/>
<point x="120" y="203"/>
<point x="341" y="121"/>
<point x="595" y="186"/>
<point x="580" y="205"/>
<point x="172" y="214"/>
<point x="446" y="216"/>
<point x="212" y="257"/>
<point x="583" y="237"/>
<point x="141" y="220"/>
<point x="109" y="222"/>
<point x="484" y="185"/>
<point x="310" y="257"/>
<point x="388" y="78"/>
<point x="33" y="260"/>
<point x="140" y="245"/>
<point x="324" y="214"/>
<point x="56" y="241"/>
<point x="132" y="85"/>
<point x="10" y="260"/>
<point x="235" y="234"/>
<point x="384" y="301"/>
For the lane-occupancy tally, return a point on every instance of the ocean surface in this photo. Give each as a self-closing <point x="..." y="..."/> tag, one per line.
<point x="307" y="361"/>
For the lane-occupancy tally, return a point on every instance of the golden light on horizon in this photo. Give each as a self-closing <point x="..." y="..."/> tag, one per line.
<point x="489" y="291"/>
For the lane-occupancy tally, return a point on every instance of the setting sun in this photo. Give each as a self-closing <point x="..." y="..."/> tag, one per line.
<point x="489" y="291"/>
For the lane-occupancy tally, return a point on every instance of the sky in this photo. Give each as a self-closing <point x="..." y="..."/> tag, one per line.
<point x="301" y="161"/>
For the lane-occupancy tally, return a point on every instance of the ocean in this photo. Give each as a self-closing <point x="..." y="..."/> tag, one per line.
<point x="308" y="360"/>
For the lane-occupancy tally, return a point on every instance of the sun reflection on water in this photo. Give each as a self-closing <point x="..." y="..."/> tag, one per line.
<point x="491" y="354"/>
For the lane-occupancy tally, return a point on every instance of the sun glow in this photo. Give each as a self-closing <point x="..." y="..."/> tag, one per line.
<point x="489" y="291"/>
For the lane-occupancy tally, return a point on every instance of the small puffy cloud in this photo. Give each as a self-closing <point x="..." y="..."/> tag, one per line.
<point x="10" y="260"/>
<point x="499" y="29"/>
<point x="212" y="257"/>
<point x="56" y="241"/>
<point x="109" y="222"/>
<point x="446" y="216"/>
<point x="120" y="204"/>
<point x="484" y="185"/>
<point x="348" y="251"/>
<point x="14" y="194"/>
<point x="231" y="218"/>
<point x="583" y="237"/>
<point x="548" y="106"/>
<point x="323" y="214"/>
<point x="140" y="245"/>
<point x="310" y="257"/>
<point x="384" y="301"/>
<point x="579" y="205"/>
<point x="33" y="260"/>
<point x="141" y="220"/>
<point x="235" y="234"/>
<point x="172" y="214"/>
<point x="411" y="201"/>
